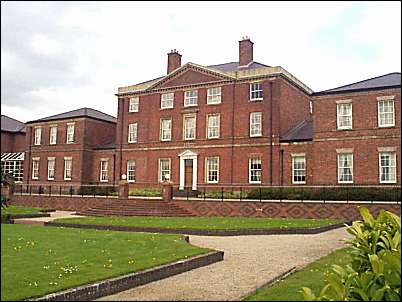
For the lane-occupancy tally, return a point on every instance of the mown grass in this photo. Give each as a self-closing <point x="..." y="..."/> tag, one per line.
<point x="201" y="223"/>
<point x="18" y="210"/>
<point x="311" y="276"/>
<point x="38" y="260"/>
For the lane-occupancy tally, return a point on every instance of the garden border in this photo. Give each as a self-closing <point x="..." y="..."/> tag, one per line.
<point x="121" y="283"/>
<point x="273" y="231"/>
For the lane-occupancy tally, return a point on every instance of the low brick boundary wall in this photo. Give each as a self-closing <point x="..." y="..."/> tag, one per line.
<point x="314" y="210"/>
<point x="273" y="231"/>
<point x="121" y="283"/>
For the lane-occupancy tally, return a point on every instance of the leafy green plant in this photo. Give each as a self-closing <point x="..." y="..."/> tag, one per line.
<point x="375" y="271"/>
<point x="149" y="192"/>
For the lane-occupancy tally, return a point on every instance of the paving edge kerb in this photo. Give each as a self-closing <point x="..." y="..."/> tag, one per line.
<point x="274" y="231"/>
<point x="121" y="283"/>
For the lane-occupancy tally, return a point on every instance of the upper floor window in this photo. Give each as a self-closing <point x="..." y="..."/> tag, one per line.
<point x="53" y="135"/>
<point x="344" y="115"/>
<point x="38" y="136"/>
<point x="51" y="162"/>
<point x="190" y="98"/>
<point x="254" y="170"/>
<point x="70" y="133"/>
<point x="134" y="104"/>
<point x="35" y="167"/>
<point x="298" y="169"/>
<point x="166" y="129"/>
<point x="387" y="162"/>
<point x="167" y="100"/>
<point x="131" y="171"/>
<point x="104" y="170"/>
<point x="345" y="168"/>
<point x="164" y="169"/>
<point x="256" y="93"/>
<point x="256" y="124"/>
<point x="132" y="133"/>
<point x="214" y="95"/>
<point x="68" y="168"/>
<point x="212" y="169"/>
<point x="386" y="112"/>
<point x="213" y="122"/>
<point x="189" y="126"/>
<point x="310" y="107"/>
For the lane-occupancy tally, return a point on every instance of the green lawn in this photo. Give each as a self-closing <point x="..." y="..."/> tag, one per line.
<point x="38" y="260"/>
<point x="19" y="210"/>
<point x="200" y="223"/>
<point x="311" y="276"/>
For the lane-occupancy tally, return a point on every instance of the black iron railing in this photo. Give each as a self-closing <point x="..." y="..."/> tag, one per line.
<point x="65" y="190"/>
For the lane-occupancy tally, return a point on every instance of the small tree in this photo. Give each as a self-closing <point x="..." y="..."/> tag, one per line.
<point x="375" y="271"/>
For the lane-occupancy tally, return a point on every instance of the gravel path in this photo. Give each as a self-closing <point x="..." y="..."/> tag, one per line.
<point x="249" y="263"/>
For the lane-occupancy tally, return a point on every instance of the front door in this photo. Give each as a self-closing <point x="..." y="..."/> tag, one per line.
<point x="188" y="170"/>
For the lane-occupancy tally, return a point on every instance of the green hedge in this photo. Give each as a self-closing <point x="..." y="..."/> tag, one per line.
<point x="334" y="193"/>
<point x="96" y="190"/>
<point x="149" y="192"/>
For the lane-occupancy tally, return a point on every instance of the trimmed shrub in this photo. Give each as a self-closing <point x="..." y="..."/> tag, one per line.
<point x="148" y="192"/>
<point x="375" y="271"/>
<point x="96" y="190"/>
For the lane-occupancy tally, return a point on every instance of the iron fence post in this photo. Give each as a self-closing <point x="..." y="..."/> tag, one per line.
<point x="260" y="193"/>
<point x="222" y="193"/>
<point x="241" y="192"/>
<point x="30" y="190"/>
<point x="59" y="190"/>
<point x="204" y="193"/>
<point x="187" y="189"/>
<point x="71" y="190"/>
<point x="107" y="192"/>
<point x="50" y="190"/>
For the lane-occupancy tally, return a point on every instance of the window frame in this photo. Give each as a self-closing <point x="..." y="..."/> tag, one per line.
<point x="53" y="135"/>
<point x="128" y="170"/>
<point x="160" y="180"/>
<point x="211" y="96"/>
<point x="218" y="115"/>
<point x="72" y="134"/>
<point x="380" y="166"/>
<point x="338" y="116"/>
<point x="161" y="130"/>
<point x="51" y="159"/>
<point x="207" y="170"/>
<point x="163" y="101"/>
<point x="134" y="106"/>
<point x="250" y="125"/>
<point x="294" y="157"/>
<point x="186" y="116"/>
<point x="379" y="114"/>
<point x="249" y="170"/>
<point x="339" y="167"/>
<point x="35" y="160"/>
<point x="68" y="159"/>
<point x="185" y="104"/>
<point x="135" y="126"/>
<point x="37" y="138"/>
<point x="259" y="90"/>
<point x="103" y="170"/>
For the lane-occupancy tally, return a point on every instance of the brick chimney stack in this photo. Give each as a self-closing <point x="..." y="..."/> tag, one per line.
<point x="245" y="51"/>
<point x="174" y="60"/>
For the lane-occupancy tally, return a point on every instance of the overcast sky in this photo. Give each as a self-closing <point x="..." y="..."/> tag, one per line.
<point x="61" y="56"/>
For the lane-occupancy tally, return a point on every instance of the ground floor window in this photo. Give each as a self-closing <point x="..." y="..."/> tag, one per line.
<point x="345" y="168"/>
<point x="212" y="169"/>
<point x="164" y="169"/>
<point x="131" y="171"/>
<point x="51" y="162"/>
<point x="68" y="164"/>
<point x="387" y="161"/>
<point x="255" y="170"/>
<point x="14" y="168"/>
<point x="298" y="169"/>
<point x="35" y="168"/>
<point x="104" y="170"/>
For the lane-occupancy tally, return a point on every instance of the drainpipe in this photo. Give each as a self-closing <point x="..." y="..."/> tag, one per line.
<point x="270" y="133"/>
<point x="281" y="166"/>
<point x="121" y="135"/>
<point x="29" y="155"/>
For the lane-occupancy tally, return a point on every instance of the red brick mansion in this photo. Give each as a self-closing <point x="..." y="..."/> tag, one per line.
<point x="238" y="123"/>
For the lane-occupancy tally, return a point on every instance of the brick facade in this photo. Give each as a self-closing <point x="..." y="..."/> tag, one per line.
<point x="12" y="142"/>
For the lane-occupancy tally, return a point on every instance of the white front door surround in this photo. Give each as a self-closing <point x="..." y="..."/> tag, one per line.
<point x="188" y="154"/>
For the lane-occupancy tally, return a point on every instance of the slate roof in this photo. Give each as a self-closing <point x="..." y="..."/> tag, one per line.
<point x="385" y="81"/>
<point x="11" y="125"/>
<point x="234" y="66"/>
<point x="82" y="112"/>
<point x="302" y="132"/>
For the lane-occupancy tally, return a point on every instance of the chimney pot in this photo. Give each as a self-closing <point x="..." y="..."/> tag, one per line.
<point x="245" y="51"/>
<point x="174" y="60"/>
